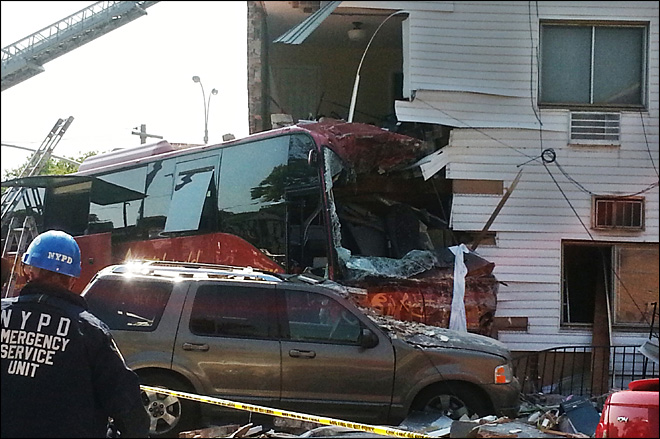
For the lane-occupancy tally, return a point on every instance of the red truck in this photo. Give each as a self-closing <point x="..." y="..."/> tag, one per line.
<point x="631" y="413"/>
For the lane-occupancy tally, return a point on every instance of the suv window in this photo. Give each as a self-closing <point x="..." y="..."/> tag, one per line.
<point x="315" y="317"/>
<point x="219" y="310"/>
<point x="129" y="305"/>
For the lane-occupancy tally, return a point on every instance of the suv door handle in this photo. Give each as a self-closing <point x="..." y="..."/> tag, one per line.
<point x="295" y="353"/>
<point x="195" y="347"/>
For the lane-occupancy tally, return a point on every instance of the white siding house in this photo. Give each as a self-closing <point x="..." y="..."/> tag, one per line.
<point x="563" y="95"/>
<point x="476" y="68"/>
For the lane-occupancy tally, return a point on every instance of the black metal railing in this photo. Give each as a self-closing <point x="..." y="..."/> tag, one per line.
<point x="591" y="371"/>
<point x="650" y="347"/>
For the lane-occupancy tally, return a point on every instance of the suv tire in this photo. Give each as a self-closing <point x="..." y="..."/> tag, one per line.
<point x="453" y="400"/>
<point x="168" y="414"/>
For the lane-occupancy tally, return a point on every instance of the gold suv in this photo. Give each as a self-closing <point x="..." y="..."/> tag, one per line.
<point x="293" y="342"/>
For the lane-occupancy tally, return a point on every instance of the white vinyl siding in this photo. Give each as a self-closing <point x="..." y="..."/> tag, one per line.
<point x="474" y="67"/>
<point x="536" y="217"/>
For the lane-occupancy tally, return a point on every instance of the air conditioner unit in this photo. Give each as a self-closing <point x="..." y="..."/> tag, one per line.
<point x="622" y="213"/>
<point x="595" y="128"/>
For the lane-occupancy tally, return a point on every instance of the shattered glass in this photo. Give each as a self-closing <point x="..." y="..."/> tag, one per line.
<point x="413" y="263"/>
<point x="389" y="232"/>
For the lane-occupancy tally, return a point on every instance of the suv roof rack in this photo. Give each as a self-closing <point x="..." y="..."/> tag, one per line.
<point x="195" y="270"/>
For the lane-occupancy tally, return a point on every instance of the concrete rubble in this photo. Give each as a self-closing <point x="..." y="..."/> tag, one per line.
<point x="540" y="422"/>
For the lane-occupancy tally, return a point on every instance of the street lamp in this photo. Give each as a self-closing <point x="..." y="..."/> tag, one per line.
<point x="351" y="109"/>
<point x="207" y="107"/>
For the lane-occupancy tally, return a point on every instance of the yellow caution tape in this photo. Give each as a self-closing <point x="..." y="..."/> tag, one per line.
<point x="376" y="429"/>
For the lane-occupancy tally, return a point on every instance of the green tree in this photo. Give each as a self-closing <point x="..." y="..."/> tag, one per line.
<point x="53" y="166"/>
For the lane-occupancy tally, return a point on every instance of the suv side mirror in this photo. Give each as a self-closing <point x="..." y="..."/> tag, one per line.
<point x="368" y="339"/>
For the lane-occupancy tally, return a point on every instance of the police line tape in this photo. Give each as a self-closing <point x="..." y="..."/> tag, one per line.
<point x="376" y="429"/>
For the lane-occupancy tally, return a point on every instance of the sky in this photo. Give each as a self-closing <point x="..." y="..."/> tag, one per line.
<point x="139" y="73"/>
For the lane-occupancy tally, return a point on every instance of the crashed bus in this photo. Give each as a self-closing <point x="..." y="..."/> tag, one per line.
<point x="344" y="201"/>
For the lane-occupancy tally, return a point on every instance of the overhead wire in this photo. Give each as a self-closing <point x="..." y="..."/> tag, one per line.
<point x="646" y="140"/>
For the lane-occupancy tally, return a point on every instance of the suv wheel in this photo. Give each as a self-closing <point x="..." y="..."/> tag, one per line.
<point x="452" y="400"/>
<point x="168" y="414"/>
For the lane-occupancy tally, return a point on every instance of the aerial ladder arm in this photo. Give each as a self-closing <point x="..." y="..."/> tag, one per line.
<point x="26" y="57"/>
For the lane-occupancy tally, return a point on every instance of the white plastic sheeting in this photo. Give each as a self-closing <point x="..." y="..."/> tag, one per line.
<point x="457" y="320"/>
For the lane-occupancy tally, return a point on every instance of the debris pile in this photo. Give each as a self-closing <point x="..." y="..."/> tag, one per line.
<point x="571" y="418"/>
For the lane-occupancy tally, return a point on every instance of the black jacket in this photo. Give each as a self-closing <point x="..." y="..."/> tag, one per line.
<point x="62" y="374"/>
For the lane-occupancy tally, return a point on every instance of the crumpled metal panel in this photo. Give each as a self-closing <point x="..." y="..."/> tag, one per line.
<point x="415" y="262"/>
<point x="428" y="300"/>
<point x="368" y="148"/>
<point x="300" y="32"/>
<point x="417" y="287"/>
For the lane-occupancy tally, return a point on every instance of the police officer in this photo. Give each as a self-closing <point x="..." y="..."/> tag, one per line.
<point x="62" y="374"/>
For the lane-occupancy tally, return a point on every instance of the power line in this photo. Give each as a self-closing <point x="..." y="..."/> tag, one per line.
<point x="641" y="117"/>
<point x="467" y="125"/>
<point x="73" y="162"/>
<point x="586" y="229"/>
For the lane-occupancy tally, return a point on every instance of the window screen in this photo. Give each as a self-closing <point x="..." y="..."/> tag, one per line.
<point x="592" y="65"/>
<point x="618" y="213"/>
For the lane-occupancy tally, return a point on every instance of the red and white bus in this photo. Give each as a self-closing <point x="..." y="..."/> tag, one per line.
<point x="343" y="201"/>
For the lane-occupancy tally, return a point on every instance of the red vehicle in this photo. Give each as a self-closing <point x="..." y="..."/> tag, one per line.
<point x="631" y="413"/>
<point x="344" y="201"/>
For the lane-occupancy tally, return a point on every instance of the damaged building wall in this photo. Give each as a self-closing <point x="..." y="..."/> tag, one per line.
<point x="537" y="219"/>
<point x="315" y="78"/>
<point x="390" y="236"/>
<point x="323" y="84"/>
<point x="472" y="69"/>
<point x="476" y="69"/>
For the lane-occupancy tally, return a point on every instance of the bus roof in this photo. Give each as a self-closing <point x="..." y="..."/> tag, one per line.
<point x="365" y="147"/>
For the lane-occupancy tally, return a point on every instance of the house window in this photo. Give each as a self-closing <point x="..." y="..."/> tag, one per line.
<point x="620" y="276"/>
<point x="592" y="65"/>
<point x="618" y="213"/>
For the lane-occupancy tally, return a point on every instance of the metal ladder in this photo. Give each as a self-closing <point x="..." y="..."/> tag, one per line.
<point x="35" y="165"/>
<point x="17" y="240"/>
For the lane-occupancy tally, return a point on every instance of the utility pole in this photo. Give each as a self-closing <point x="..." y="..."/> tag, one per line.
<point x="143" y="134"/>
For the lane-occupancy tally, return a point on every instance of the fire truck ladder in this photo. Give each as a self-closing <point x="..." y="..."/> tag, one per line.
<point x="19" y="236"/>
<point x="35" y="165"/>
<point x="17" y="241"/>
<point x="26" y="57"/>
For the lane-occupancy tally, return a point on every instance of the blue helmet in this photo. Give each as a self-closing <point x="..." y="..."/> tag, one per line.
<point x="54" y="251"/>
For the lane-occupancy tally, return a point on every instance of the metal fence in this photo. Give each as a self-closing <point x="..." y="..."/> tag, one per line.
<point x="591" y="371"/>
